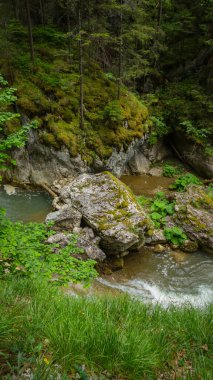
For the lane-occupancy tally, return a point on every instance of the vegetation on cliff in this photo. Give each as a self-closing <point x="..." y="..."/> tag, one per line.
<point x="75" y="63"/>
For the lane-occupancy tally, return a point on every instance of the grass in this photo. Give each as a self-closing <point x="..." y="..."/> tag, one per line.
<point x="46" y="333"/>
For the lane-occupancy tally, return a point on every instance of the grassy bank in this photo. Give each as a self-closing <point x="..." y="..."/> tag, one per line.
<point x="47" y="333"/>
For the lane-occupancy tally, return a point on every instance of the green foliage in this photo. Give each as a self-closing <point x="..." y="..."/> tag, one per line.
<point x="13" y="140"/>
<point x="24" y="251"/>
<point x="143" y="201"/>
<point x="53" y="335"/>
<point x="112" y="113"/>
<point x="183" y="181"/>
<point x="175" y="235"/>
<point x="210" y="190"/>
<point x="160" y="208"/>
<point x="199" y="135"/>
<point x="159" y="129"/>
<point x="169" y="171"/>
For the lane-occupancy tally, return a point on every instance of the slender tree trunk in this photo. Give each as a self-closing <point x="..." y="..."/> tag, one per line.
<point x="159" y="16"/>
<point x="41" y="12"/>
<point x="160" y="7"/>
<point x="16" y="8"/>
<point x="120" y="50"/>
<point x="69" y="30"/>
<point x="29" y="21"/>
<point x="81" y="71"/>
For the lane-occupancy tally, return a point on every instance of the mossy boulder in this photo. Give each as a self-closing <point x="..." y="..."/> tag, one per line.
<point x="110" y="209"/>
<point x="194" y="213"/>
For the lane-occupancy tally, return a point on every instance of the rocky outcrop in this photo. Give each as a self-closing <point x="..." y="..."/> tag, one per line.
<point x="108" y="207"/>
<point x="86" y="240"/>
<point x="194" y="155"/>
<point x="66" y="218"/>
<point x="194" y="214"/>
<point x="90" y="244"/>
<point x="39" y="164"/>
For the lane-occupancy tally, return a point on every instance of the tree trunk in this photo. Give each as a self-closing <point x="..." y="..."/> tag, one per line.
<point x="160" y="6"/>
<point x="159" y="16"/>
<point x="69" y="30"/>
<point x="16" y="8"/>
<point x="29" y="21"/>
<point x="120" y="51"/>
<point x="41" y="12"/>
<point x="81" y="72"/>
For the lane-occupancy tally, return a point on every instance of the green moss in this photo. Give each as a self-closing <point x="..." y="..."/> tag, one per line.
<point x="51" y="92"/>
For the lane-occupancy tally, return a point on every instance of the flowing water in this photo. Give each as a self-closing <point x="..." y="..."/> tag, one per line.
<point x="176" y="278"/>
<point x="25" y="205"/>
<point x="173" y="278"/>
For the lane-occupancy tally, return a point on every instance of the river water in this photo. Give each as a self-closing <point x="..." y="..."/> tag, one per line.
<point x="173" y="278"/>
<point x="25" y="205"/>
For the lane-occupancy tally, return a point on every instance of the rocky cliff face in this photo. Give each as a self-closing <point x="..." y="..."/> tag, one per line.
<point x="194" y="214"/>
<point x="40" y="164"/>
<point x="193" y="154"/>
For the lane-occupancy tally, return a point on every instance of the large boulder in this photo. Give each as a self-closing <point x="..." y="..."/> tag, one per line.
<point x="194" y="213"/>
<point x="194" y="155"/>
<point x="109" y="208"/>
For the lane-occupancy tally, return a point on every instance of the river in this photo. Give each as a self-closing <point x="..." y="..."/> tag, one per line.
<point x="173" y="278"/>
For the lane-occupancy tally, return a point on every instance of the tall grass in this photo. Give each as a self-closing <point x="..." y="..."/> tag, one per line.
<point x="46" y="332"/>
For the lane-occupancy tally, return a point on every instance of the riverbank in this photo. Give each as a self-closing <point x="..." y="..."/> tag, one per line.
<point x="48" y="335"/>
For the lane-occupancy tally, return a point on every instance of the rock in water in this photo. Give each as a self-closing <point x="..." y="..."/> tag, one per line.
<point x="194" y="213"/>
<point x="109" y="208"/>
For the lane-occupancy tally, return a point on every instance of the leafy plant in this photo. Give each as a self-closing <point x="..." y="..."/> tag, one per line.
<point x="198" y="134"/>
<point x="159" y="129"/>
<point x="183" y="181"/>
<point x="169" y="171"/>
<point x="16" y="139"/>
<point x="160" y="208"/>
<point x="143" y="201"/>
<point x="24" y="251"/>
<point x="112" y="112"/>
<point x="175" y="235"/>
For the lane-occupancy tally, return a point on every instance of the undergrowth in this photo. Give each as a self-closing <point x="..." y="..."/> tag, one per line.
<point x="23" y="250"/>
<point x="44" y="333"/>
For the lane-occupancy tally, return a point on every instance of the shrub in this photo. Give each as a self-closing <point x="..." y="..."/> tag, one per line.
<point x="160" y="208"/>
<point x="175" y="235"/>
<point x="24" y="251"/>
<point x="169" y="171"/>
<point x="185" y="180"/>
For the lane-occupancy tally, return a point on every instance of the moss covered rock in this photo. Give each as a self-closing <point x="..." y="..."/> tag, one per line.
<point x="194" y="213"/>
<point x="109" y="208"/>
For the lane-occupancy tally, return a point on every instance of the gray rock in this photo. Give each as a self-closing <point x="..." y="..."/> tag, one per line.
<point x="194" y="155"/>
<point x="89" y="243"/>
<point x="139" y="164"/>
<point x="156" y="172"/>
<point x="59" y="238"/>
<point x="156" y="238"/>
<point x="189" y="246"/>
<point x="110" y="209"/>
<point x="159" y="248"/>
<point x="67" y="218"/>
<point x="39" y="164"/>
<point x="194" y="214"/>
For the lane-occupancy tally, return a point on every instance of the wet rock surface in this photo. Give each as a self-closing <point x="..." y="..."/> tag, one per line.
<point x="194" y="155"/>
<point x="65" y="218"/>
<point x="108" y="207"/>
<point x="194" y="214"/>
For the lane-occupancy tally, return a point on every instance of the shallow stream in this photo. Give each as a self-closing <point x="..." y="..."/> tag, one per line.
<point x="175" y="278"/>
<point x="25" y="205"/>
